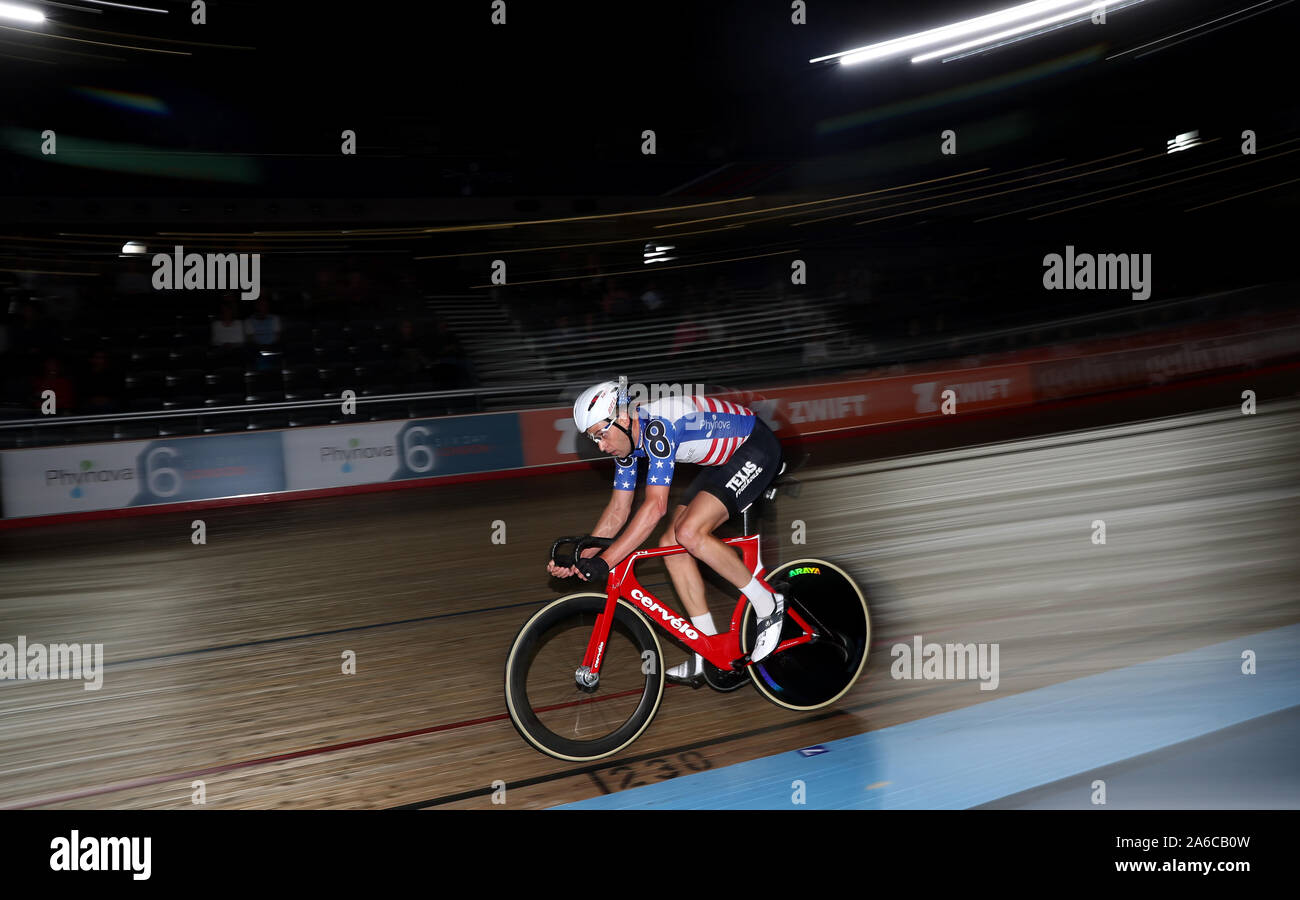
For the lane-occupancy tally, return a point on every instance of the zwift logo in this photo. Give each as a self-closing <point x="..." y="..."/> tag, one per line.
<point x="355" y="452"/>
<point x="208" y="272"/>
<point x="88" y="474"/>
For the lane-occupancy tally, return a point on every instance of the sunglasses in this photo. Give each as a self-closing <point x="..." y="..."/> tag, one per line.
<point x="600" y="435"/>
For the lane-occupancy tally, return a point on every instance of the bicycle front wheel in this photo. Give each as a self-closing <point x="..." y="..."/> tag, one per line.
<point x="546" y="704"/>
<point x="816" y="674"/>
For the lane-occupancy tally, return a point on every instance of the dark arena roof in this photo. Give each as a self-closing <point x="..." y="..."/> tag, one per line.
<point x="410" y="146"/>
<point x="980" y="316"/>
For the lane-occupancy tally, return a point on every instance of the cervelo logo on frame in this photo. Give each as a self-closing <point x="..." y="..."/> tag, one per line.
<point x="673" y="621"/>
<point x="208" y="272"/>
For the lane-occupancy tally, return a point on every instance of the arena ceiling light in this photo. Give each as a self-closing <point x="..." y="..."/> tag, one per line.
<point x="1185" y="141"/>
<point x="654" y="253"/>
<point x="947" y="34"/>
<point x="20" y="13"/>
<point x="1069" y="17"/>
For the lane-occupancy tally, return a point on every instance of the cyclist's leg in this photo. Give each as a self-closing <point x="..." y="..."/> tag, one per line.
<point x="694" y="531"/>
<point x="722" y="493"/>
<point x="684" y="571"/>
<point x="689" y="583"/>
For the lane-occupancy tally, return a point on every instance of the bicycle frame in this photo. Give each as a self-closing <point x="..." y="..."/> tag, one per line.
<point x="723" y="650"/>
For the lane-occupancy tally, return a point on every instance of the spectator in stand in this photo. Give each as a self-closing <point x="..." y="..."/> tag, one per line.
<point x="451" y="364"/>
<point x="31" y="337"/>
<point x="652" y="300"/>
<point x="227" y="331"/>
<point x="720" y="294"/>
<point x="135" y="277"/>
<point x="53" y="379"/>
<point x="687" y="332"/>
<point x="411" y="357"/>
<point x="357" y="295"/>
<point x="101" y="385"/>
<point x="614" y="304"/>
<point x="321" y="299"/>
<point x="262" y="328"/>
<point x="564" y="332"/>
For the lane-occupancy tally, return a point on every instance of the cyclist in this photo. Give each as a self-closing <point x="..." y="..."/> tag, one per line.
<point x="740" y="456"/>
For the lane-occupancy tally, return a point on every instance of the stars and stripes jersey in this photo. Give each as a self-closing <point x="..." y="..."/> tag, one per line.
<point x="695" y="429"/>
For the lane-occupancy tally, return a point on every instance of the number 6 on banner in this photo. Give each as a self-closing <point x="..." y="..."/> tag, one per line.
<point x="155" y="476"/>
<point x="413" y="449"/>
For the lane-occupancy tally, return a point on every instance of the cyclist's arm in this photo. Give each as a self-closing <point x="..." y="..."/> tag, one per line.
<point x="609" y="524"/>
<point x="615" y="515"/>
<point x="641" y="526"/>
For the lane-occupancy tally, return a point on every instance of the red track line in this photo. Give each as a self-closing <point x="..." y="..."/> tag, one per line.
<point x="281" y="757"/>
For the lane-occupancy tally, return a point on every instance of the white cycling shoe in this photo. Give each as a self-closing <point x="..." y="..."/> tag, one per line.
<point x="769" y="631"/>
<point x="690" y="672"/>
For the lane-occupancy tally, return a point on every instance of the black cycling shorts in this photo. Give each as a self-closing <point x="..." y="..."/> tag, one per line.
<point x="742" y="479"/>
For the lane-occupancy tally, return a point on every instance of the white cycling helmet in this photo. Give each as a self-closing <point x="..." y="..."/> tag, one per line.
<point x="596" y="404"/>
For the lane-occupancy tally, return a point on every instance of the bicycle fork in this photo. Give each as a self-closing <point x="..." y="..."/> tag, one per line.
<point x="587" y="675"/>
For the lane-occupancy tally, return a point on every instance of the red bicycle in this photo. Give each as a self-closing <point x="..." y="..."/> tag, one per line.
<point x="601" y="648"/>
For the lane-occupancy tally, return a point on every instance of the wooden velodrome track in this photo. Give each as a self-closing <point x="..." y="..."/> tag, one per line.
<point x="224" y="660"/>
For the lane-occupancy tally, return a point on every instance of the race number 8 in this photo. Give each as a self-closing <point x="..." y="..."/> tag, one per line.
<point x="656" y="437"/>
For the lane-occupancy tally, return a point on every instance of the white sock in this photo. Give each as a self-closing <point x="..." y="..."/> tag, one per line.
<point x="760" y="597"/>
<point x="704" y="625"/>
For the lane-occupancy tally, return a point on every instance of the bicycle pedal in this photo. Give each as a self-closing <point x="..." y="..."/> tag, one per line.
<point x="694" y="682"/>
<point x="723" y="681"/>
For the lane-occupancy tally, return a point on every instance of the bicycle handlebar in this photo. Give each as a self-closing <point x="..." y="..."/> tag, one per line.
<point x="581" y="542"/>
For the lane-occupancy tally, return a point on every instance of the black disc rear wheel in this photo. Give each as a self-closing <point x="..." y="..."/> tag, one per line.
<point x="816" y="674"/>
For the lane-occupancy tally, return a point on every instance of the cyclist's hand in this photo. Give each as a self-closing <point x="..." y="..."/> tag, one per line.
<point x="561" y="571"/>
<point x="586" y="554"/>
<point x="593" y="569"/>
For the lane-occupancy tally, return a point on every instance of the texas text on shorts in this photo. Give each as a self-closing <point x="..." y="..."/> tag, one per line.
<point x="739" y="456"/>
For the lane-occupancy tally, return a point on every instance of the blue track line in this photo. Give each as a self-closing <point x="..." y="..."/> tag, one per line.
<point x="982" y="752"/>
